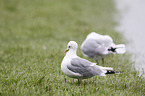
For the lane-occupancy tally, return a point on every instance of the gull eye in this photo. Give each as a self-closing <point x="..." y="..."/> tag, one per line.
<point x="68" y="46"/>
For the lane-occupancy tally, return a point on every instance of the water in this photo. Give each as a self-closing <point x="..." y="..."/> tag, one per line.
<point x="132" y="25"/>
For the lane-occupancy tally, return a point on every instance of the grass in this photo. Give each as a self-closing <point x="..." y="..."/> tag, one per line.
<point x="33" y="38"/>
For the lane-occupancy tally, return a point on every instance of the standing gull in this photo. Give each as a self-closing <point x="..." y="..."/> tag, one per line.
<point x="76" y="67"/>
<point x="98" y="46"/>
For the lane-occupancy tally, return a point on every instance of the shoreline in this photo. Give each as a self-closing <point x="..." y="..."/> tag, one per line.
<point x="131" y="25"/>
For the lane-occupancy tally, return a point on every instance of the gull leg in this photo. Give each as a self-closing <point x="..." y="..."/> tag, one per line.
<point x="97" y="61"/>
<point x="79" y="81"/>
<point x="64" y="79"/>
<point x="102" y="60"/>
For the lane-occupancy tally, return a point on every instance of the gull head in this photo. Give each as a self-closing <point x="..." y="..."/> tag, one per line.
<point x="72" y="45"/>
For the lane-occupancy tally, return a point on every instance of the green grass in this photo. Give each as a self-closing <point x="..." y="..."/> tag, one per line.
<point x="28" y="27"/>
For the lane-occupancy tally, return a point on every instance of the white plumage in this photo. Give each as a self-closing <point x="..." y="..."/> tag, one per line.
<point x="76" y="67"/>
<point x="98" y="46"/>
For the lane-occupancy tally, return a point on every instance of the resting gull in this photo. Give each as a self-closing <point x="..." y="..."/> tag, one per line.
<point x="98" y="46"/>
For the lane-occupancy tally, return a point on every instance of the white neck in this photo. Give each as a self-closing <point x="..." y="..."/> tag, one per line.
<point x="71" y="53"/>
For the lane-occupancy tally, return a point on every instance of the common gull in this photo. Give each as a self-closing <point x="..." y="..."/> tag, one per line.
<point x="75" y="67"/>
<point x="98" y="46"/>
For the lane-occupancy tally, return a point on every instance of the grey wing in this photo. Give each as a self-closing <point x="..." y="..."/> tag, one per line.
<point x="83" y="67"/>
<point x="93" y="47"/>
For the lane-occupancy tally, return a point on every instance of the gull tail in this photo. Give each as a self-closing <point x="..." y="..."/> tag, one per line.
<point x="118" y="49"/>
<point x="105" y="68"/>
<point x="113" y="72"/>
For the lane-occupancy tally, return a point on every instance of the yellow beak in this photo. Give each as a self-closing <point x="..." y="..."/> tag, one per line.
<point x="66" y="51"/>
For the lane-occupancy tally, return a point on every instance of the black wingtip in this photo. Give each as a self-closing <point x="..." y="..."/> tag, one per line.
<point x="112" y="49"/>
<point x="113" y="72"/>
